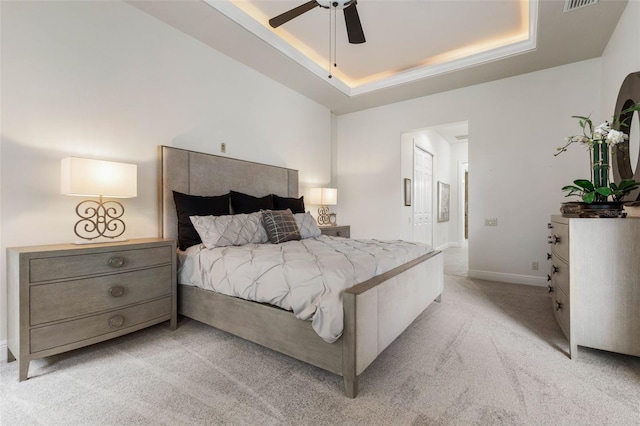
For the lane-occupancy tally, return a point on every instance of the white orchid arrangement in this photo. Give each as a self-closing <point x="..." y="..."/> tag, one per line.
<point x="589" y="136"/>
<point x="599" y="140"/>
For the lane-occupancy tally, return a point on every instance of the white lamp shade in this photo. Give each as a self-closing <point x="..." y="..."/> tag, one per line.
<point x="323" y="196"/>
<point x="85" y="177"/>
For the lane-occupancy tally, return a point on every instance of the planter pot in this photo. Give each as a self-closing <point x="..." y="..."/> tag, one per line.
<point x="602" y="209"/>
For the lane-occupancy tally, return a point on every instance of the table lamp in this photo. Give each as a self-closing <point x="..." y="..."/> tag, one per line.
<point x="96" y="178"/>
<point x="324" y="197"/>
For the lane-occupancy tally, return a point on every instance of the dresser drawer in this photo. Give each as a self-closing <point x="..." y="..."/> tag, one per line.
<point x="561" y="308"/>
<point x="65" y="333"/>
<point x="64" y="267"/>
<point x="559" y="273"/>
<point x="560" y="240"/>
<point x="68" y="299"/>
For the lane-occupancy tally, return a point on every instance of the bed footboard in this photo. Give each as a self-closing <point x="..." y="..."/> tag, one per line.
<point x="378" y="310"/>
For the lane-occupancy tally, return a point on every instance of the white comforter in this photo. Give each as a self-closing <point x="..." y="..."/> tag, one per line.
<point x="306" y="277"/>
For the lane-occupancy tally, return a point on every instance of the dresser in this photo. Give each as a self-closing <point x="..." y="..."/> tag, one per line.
<point x="336" y="230"/>
<point x="63" y="297"/>
<point x="595" y="282"/>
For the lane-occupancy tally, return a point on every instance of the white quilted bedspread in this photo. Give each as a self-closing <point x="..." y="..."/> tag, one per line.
<point x="306" y="277"/>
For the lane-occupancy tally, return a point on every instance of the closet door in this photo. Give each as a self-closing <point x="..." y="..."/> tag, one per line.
<point x="423" y="196"/>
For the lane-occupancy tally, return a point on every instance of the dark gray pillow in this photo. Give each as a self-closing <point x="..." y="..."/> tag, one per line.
<point x="195" y="205"/>
<point x="296" y="205"/>
<point x="244" y="203"/>
<point x="280" y="225"/>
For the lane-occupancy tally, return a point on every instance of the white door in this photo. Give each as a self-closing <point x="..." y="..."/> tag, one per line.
<point x="423" y="196"/>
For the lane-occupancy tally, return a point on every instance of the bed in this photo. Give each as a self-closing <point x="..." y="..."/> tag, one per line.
<point x="376" y="311"/>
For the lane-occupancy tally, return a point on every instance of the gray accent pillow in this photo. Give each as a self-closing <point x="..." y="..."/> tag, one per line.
<point x="281" y="226"/>
<point x="307" y="225"/>
<point x="230" y="230"/>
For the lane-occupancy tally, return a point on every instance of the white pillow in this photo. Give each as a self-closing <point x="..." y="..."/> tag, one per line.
<point x="230" y="230"/>
<point x="307" y="225"/>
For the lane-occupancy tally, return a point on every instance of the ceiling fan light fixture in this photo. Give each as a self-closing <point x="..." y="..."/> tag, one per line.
<point x="335" y="4"/>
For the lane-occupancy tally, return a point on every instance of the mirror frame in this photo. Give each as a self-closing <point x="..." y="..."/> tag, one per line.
<point x="628" y="96"/>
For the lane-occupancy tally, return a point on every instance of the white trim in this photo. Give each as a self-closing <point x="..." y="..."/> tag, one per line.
<point x="3" y="351"/>
<point x="507" y="278"/>
<point x="233" y="12"/>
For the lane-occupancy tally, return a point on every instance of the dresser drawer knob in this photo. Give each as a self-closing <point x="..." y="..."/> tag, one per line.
<point x="558" y="306"/>
<point x="554" y="240"/>
<point x="549" y="226"/>
<point x="548" y="277"/>
<point x="548" y="256"/>
<point x="554" y="269"/>
<point x="116" y="261"/>
<point x="116" y="291"/>
<point x="550" y="288"/>
<point x="116" y="321"/>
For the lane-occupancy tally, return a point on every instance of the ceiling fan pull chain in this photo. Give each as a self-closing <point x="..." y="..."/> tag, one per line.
<point x="335" y="37"/>
<point x="330" y="45"/>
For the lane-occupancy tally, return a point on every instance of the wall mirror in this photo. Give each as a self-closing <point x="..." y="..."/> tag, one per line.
<point x="627" y="160"/>
<point x="634" y="141"/>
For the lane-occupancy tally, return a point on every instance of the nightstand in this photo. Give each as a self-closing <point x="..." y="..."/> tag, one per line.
<point x="63" y="297"/>
<point x="336" y="231"/>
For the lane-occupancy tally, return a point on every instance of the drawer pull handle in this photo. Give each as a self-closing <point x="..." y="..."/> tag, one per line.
<point x="116" y="291"/>
<point x="549" y="225"/>
<point x="116" y="261"/>
<point x="548" y="256"/>
<point x="548" y="277"/>
<point x="554" y="240"/>
<point x="550" y="288"/>
<point x="558" y="306"/>
<point x="554" y="269"/>
<point x="116" y="321"/>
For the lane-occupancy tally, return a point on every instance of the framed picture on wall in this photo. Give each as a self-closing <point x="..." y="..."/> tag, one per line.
<point x="407" y="192"/>
<point x="443" y="201"/>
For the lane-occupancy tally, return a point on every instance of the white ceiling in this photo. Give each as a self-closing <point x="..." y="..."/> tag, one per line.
<point x="414" y="47"/>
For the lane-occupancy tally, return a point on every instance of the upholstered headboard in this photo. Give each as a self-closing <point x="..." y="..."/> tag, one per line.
<point x="197" y="173"/>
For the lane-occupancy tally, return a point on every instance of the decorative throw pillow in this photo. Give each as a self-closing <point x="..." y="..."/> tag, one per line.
<point x="230" y="230"/>
<point x="281" y="226"/>
<point x="195" y="205"/>
<point x="296" y="205"/>
<point x="244" y="203"/>
<point x="307" y="225"/>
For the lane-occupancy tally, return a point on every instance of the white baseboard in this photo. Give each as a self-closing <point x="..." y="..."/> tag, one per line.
<point x="3" y="351"/>
<point x="447" y="245"/>
<point x="508" y="278"/>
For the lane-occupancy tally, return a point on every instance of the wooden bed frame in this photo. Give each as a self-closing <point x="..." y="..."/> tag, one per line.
<point x="376" y="311"/>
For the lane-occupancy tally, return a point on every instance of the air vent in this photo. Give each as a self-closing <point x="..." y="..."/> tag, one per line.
<point x="570" y="5"/>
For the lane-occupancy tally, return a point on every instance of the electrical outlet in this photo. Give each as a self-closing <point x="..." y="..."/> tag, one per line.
<point x="491" y="222"/>
<point x="534" y="266"/>
<point x="223" y="147"/>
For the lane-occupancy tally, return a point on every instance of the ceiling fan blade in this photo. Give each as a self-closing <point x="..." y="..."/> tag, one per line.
<point x="293" y="13"/>
<point x="354" y="27"/>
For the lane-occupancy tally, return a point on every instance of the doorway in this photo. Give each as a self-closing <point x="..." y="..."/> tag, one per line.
<point x="423" y="196"/>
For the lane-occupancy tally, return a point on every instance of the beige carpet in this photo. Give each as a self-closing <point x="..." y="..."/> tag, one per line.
<point x="489" y="354"/>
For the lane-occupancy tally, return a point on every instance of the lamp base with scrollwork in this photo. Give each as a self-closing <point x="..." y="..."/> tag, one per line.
<point x="100" y="221"/>
<point x="325" y="217"/>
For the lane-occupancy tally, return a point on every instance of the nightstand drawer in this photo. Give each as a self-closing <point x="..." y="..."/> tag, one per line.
<point x="336" y="231"/>
<point x="65" y="333"/>
<point x="560" y="240"/>
<point x="62" y="300"/>
<point x="62" y="267"/>
<point x="559" y="273"/>
<point x="561" y="309"/>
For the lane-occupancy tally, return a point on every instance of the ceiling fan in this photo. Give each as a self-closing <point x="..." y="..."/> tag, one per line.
<point x="351" y="17"/>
